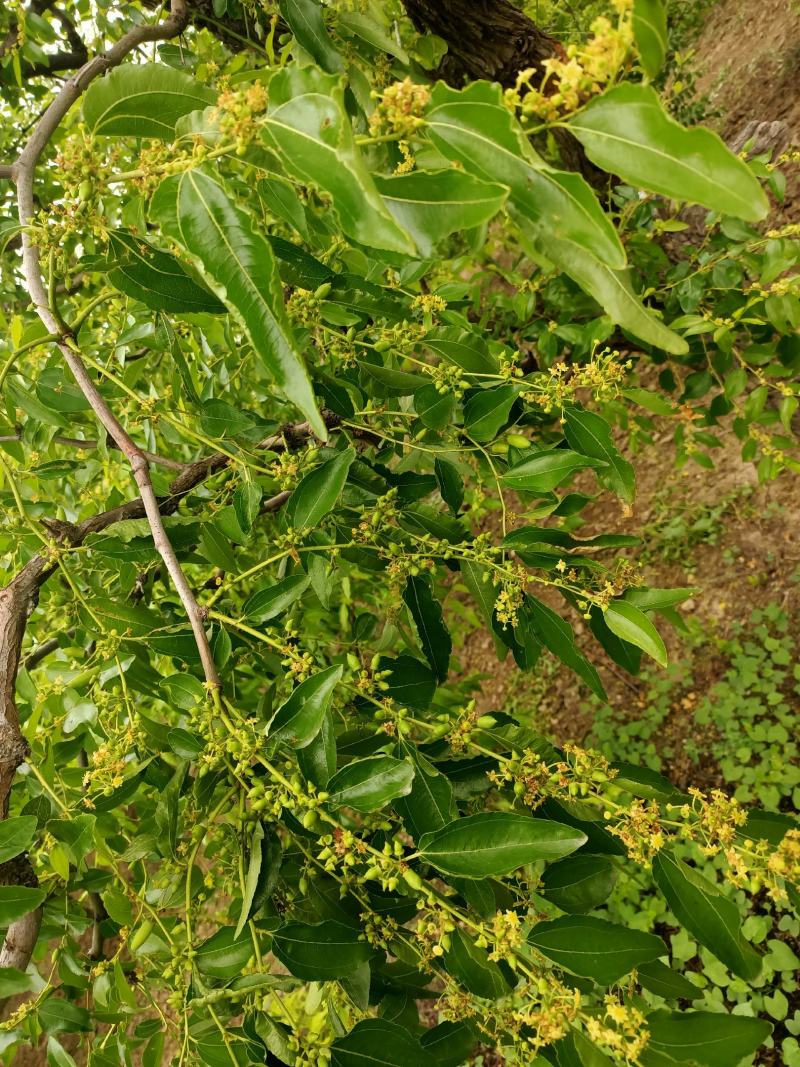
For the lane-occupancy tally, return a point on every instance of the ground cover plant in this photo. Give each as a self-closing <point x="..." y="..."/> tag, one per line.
<point x="322" y="326"/>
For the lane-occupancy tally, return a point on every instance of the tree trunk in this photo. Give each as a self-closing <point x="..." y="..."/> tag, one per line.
<point x="488" y="39"/>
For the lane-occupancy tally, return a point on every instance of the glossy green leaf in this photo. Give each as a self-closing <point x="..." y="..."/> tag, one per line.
<point x="450" y="482"/>
<point x="251" y="878"/>
<point x="556" y="634"/>
<point x="487" y="411"/>
<point x="589" y="433"/>
<point x="464" y="348"/>
<point x="431" y="205"/>
<point x="429" y="805"/>
<point x="714" y="1039"/>
<point x="632" y="625"/>
<point x="145" y="273"/>
<point x="318" y="759"/>
<point x="658" y="978"/>
<point x="544" y="471"/>
<point x="318" y="491"/>
<point x="379" y="1043"/>
<point x="708" y="915"/>
<point x="143" y="100"/>
<point x="594" y="948"/>
<point x="472" y="968"/>
<point x="237" y="262"/>
<point x="650" y="34"/>
<point x="321" y="951"/>
<point x="266" y="604"/>
<point x="579" y="883"/>
<point x="18" y="900"/>
<point x="435" y="409"/>
<point x="306" y="21"/>
<point x="308" y="126"/>
<point x="496" y="842"/>
<point x="16" y="835"/>
<point x="225" y="953"/>
<point x="627" y="132"/>
<point x="473" y="127"/>
<point x="298" y="721"/>
<point x="613" y="291"/>
<point x="368" y="784"/>
<point x="427" y="615"/>
<point x="408" y="681"/>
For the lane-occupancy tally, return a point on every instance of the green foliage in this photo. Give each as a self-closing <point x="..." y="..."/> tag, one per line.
<point x="355" y="322"/>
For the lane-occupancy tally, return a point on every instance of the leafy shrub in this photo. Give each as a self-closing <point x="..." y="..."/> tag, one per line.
<point x="246" y="757"/>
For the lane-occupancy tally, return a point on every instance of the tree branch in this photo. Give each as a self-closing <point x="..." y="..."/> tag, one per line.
<point x="18" y="600"/>
<point x="24" y="170"/>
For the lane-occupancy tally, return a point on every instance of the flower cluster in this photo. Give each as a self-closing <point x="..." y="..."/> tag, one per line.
<point x="603" y="376"/>
<point x="621" y="1030"/>
<point x="238" y="113"/>
<point x="579" y="73"/>
<point x="400" y="108"/>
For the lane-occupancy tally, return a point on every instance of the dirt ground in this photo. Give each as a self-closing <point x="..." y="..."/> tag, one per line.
<point x="747" y="59"/>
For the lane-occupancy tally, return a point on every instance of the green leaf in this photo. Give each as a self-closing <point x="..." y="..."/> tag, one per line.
<point x="305" y="20"/>
<point x="266" y="604"/>
<point x="379" y="1043"/>
<point x="714" y="1039"/>
<point x="660" y="979"/>
<point x="16" y="835"/>
<point x="13" y="982"/>
<point x="650" y="34"/>
<point x="464" y="348"/>
<point x="594" y="948"/>
<point x="556" y="635"/>
<point x="434" y="408"/>
<point x="450" y="482"/>
<point x="579" y="883"/>
<point x="494" y="843"/>
<point x="143" y="100"/>
<point x="18" y="900"/>
<point x="318" y="491"/>
<point x="320" y="952"/>
<point x="156" y="278"/>
<point x="430" y="205"/>
<point x="409" y="681"/>
<point x="369" y="784"/>
<point x="251" y="878"/>
<point x="237" y="262"/>
<point x="474" y="128"/>
<point x="308" y="126"/>
<point x="627" y="132"/>
<point x="706" y="913"/>
<point x="427" y="614"/>
<point x="557" y="211"/>
<point x="487" y="411"/>
<point x="590" y="434"/>
<point x="544" y="471"/>
<point x="632" y="625"/>
<point x="429" y="805"/>
<point x="658" y="599"/>
<point x="225" y="954"/>
<point x="318" y="759"/>
<point x="472" y="968"/>
<point x="297" y="722"/>
<point x="613" y="291"/>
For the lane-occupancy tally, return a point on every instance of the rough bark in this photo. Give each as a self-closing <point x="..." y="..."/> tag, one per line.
<point x="489" y="39"/>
